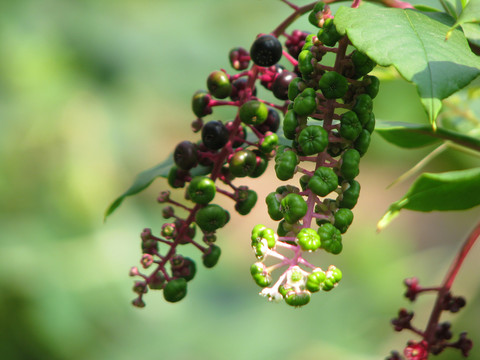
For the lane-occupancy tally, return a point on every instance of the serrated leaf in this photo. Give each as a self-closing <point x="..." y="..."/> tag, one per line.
<point x="413" y="42"/>
<point x="453" y="190"/>
<point x="409" y="135"/>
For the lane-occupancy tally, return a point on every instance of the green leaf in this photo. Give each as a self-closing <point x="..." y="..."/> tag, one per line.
<point x="409" y="135"/>
<point x="454" y="190"/>
<point x="449" y="8"/>
<point x="146" y="177"/>
<point x="425" y="8"/>
<point x="142" y="181"/>
<point x="414" y="43"/>
<point x="470" y="14"/>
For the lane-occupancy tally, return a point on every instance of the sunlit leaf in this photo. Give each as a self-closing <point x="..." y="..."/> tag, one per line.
<point x="454" y="190"/>
<point x="470" y="14"/>
<point x="414" y="43"/>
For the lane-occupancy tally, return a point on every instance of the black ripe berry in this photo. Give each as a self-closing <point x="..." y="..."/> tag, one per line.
<point x="185" y="155"/>
<point x="266" y="50"/>
<point x="214" y="135"/>
<point x="280" y="84"/>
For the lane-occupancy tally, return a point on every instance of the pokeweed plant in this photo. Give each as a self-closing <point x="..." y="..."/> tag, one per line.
<point x="317" y="131"/>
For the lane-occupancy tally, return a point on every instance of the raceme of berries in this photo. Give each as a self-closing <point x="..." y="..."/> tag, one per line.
<point x="328" y="117"/>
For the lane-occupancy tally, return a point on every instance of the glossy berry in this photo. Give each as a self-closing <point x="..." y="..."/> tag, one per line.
<point x="214" y="135"/>
<point x="373" y="85"/>
<point x="261" y="164"/>
<point x="290" y="124"/>
<point x="211" y="256"/>
<point x="219" y="85"/>
<point x="211" y="218"/>
<point x="297" y="299"/>
<point x="313" y="139"/>
<point x="242" y="163"/>
<point x="281" y="83"/>
<point x="294" y="88"/>
<point x="239" y="58"/>
<point x="175" y="290"/>
<point x="200" y="101"/>
<point x="253" y="112"/>
<point x="315" y="280"/>
<point x="238" y="89"/>
<point x="201" y="190"/>
<point x="333" y="85"/>
<point x="266" y="50"/>
<point x="363" y="108"/>
<point x="328" y="34"/>
<point x="185" y="155"/>
<point x="272" y="123"/>
<point x="362" y="142"/>
<point x="331" y="238"/>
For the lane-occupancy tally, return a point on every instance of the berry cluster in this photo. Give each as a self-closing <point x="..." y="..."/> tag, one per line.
<point x="329" y="120"/>
<point x="436" y="337"/>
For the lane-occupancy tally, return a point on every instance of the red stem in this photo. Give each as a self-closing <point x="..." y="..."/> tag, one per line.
<point x="447" y="283"/>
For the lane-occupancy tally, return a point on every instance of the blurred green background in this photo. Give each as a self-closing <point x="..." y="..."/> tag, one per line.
<point x="93" y="92"/>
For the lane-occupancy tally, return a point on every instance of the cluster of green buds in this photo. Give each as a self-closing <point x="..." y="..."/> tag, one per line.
<point x="329" y="121"/>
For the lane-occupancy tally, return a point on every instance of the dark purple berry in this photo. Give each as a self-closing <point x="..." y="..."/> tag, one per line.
<point x="271" y="124"/>
<point x="280" y="84"/>
<point x="185" y="155"/>
<point x="214" y="135"/>
<point x="269" y="76"/>
<point x="266" y="50"/>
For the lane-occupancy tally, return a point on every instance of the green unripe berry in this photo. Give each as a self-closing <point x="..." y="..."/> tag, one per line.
<point x="324" y="181"/>
<point x="219" y="85"/>
<point x="269" y="142"/>
<point x="308" y="239"/>
<point x="242" y="163"/>
<point x="333" y="85"/>
<point x="328" y="34"/>
<point x="200" y="101"/>
<point x="261" y="166"/>
<point x="313" y="139"/>
<point x="350" y="162"/>
<point x="317" y="9"/>
<point x="331" y="238"/>
<point x="297" y="299"/>
<point x="293" y="88"/>
<point x="175" y="290"/>
<point x="293" y="207"/>
<point x="243" y="207"/>
<point x="211" y="217"/>
<point x="370" y="124"/>
<point x="350" y="126"/>
<point x="286" y="164"/>
<point x="305" y="104"/>
<point x="273" y="206"/>
<point x="362" y="64"/>
<point x="328" y="285"/>
<point x="350" y="195"/>
<point x="201" y="190"/>
<point x="253" y="112"/>
<point x="315" y="280"/>
<point x="334" y="273"/>
<point x="211" y="256"/>
<point x="363" y="107"/>
<point x="305" y="63"/>
<point x="263" y="280"/>
<point x="343" y="219"/>
<point x="373" y="85"/>
<point x="257" y="268"/>
<point x="363" y="142"/>
<point x="290" y="124"/>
